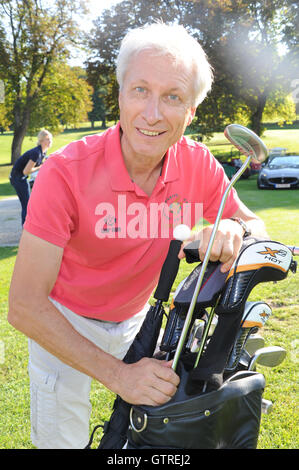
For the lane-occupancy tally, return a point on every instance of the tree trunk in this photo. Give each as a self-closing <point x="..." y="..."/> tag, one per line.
<point x="21" y="123"/>
<point x="256" y="117"/>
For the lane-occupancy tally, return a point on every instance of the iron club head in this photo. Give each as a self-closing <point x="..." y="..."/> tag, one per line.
<point x="269" y="356"/>
<point x="246" y="141"/>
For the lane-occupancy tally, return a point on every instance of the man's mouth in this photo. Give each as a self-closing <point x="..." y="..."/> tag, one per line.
<point x="150" y="133"/>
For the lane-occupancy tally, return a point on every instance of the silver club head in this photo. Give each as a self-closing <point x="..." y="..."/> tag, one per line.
<point x="247" y="141"/>
<point x="253" y="343"/>
<point x="270" y="356"/>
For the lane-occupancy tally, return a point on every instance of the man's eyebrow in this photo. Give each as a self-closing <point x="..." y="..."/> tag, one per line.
<point x="142" y="80"/>
<point x="175" y="89"/>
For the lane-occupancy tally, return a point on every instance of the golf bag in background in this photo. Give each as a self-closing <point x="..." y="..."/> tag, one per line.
<point x="207" y="411"/>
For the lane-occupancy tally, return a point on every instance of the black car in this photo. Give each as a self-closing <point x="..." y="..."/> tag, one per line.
<point x="280" y="172"/>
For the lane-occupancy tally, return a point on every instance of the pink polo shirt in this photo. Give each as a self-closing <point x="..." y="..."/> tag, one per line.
<point x="115" y="237"/>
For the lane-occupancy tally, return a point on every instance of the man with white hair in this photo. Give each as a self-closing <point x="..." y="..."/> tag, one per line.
<point x="96" y="261"/>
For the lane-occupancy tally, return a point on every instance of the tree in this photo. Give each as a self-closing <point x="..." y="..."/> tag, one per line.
<point x="250" y="57"/>
<point x="64" y="99"/>
<point x="98" y="112"/>
<point x="240" y="38"/>
<point x="291" y="38"/>
<point x="32" y="35"/>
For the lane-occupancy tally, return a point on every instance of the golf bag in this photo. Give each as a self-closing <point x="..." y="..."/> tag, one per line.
<point x="218" y="401"/>
<point x="225" y="418"/>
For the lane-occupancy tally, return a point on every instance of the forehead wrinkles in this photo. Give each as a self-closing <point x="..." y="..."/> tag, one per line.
<point x="161" y="69"/>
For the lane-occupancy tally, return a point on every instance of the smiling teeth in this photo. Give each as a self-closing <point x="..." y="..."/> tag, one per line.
<point x="152" y="133"/>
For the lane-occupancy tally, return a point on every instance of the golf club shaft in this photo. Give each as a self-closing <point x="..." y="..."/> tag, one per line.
<point x="205" y="263"/>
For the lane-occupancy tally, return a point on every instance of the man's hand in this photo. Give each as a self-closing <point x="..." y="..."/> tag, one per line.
<point x="226" y="246"/>
<point x="147" y="382"/>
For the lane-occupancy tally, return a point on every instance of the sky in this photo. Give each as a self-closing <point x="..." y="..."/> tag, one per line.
<point x="96" y="7"/>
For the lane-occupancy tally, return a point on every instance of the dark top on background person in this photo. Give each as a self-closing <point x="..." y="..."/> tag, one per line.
<point x="36" y="155"/>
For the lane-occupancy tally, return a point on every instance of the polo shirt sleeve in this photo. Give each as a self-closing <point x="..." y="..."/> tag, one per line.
<point x="51" y="213"/>
<point x="33" y="154"/>
<point x="216" y="182"/>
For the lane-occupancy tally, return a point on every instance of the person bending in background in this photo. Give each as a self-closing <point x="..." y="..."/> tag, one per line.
<point x="26" y="164"/>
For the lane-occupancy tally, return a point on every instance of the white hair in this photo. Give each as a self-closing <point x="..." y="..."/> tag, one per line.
<point x="42" y="134"/>
<point x="168" y="39"/>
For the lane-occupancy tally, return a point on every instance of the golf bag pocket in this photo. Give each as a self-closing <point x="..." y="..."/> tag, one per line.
<point x="228" y="418"/>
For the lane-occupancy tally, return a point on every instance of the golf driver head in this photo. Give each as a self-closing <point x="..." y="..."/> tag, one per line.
<point x="270" y="356"/>
<point x="246" y="141"/>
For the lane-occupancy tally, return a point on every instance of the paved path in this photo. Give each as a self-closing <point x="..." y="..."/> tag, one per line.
<point x="10" y="221"/>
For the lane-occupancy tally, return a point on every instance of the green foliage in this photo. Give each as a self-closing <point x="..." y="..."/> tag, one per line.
<point x="280" y="107"/>
<point x="64" y="99"/>
<point x="240" y="39"/>
<point x="32" y="36"/>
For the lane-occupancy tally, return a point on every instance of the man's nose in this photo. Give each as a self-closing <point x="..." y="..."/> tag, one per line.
<point x="152" y="112"/>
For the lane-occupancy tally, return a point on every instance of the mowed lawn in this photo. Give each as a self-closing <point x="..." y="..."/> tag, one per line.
<point x="279" y="430"/>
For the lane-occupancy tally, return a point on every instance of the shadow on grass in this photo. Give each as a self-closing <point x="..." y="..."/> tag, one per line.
<point x="6" y="190"/>
<point x="8" y="252"/>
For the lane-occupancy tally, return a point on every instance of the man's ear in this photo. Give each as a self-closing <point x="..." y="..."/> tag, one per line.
<point x="192" y="114"/>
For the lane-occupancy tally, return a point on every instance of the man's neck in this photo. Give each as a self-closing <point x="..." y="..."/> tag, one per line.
<point x="146" y="178"/>
<point x="144" y="172"/>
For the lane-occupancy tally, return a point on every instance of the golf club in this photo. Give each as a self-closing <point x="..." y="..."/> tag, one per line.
<point x="249" y="144"/>
<point x="270" y="356"/>
<point x="253" y="343"/>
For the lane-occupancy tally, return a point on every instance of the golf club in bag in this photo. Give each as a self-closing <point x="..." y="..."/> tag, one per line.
<point x="211" y="334"/>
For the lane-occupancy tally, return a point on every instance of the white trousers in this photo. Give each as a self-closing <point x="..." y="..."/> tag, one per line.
<point x="60" y="405"/>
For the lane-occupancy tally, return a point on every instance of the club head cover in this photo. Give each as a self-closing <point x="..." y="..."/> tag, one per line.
<point x="258" y="261"/>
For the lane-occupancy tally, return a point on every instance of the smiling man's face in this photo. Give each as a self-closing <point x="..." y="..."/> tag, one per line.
<point x="156" y="105"/>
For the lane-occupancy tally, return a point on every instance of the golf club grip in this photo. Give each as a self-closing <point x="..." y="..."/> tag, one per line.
<point x="191" y="252"/>
<point x="169" y="271"/>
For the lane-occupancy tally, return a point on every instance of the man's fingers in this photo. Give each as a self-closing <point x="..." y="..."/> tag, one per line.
<point x="148" y="382"/>
<point x="226" y="246"/>
<point x="166" y="373"/>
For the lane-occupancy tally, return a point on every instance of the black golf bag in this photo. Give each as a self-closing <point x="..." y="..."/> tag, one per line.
<point x="216" y="405"/>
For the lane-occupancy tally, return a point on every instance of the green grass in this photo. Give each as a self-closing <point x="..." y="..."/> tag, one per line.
<point x="280" y="211"/>
<point x="279" y="430"/>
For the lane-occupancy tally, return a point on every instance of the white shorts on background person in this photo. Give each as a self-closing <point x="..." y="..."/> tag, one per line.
<point x="60" y="404"/>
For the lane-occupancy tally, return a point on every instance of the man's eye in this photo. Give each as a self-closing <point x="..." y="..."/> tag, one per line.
<point x="140" y="89"/>
<point x="173" y="99"/>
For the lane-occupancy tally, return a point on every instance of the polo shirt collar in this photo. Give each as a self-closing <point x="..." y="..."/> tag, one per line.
<point x="119" y="177"/>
